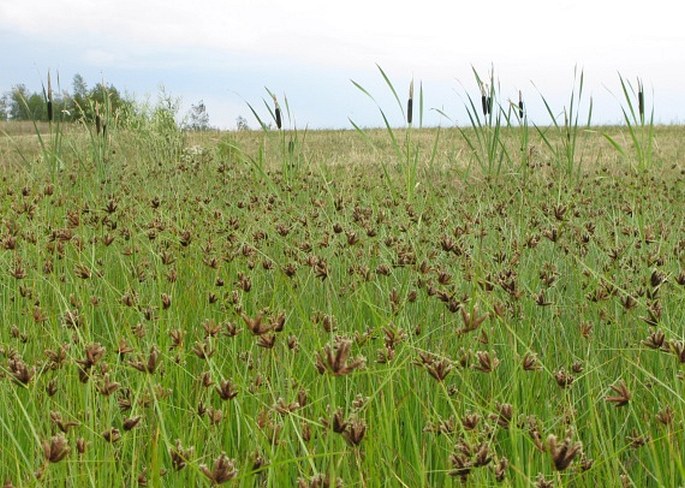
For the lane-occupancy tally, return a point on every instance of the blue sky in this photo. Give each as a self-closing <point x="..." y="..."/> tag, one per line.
<point x="226" y="52"/>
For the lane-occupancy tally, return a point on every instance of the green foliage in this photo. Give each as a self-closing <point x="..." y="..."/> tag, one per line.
<point x="24" y="105"/>
<point x="155" y="128"/>
<point x="640" y="128"/>
<point x="408" y="157"/>
<point x="197" y="118"/>
<point x="3" y="108"/>
<point x="318" y="328"/>
<point x="81" y="104"/>
<point x="568" y="154"/>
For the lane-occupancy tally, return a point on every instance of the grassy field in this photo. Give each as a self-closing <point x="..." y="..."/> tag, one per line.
<point x="414" y="308"/>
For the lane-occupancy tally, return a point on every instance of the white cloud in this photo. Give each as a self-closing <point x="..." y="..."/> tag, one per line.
<point x="434" y="40"/>
<point x="431" y="35"/>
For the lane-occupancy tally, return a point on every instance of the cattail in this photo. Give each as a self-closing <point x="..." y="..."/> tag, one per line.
<point x="641" y="100"/>
<point x="484" y="99"/>
<point x="49" y="98"/>
<point x="98" y="119"/>
<point x="520" y="105"/>
<point x="410" y="103"/>
<point x="277" y="112"/>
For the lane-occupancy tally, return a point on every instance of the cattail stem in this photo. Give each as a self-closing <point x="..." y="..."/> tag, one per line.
<point x="641" y="101"/>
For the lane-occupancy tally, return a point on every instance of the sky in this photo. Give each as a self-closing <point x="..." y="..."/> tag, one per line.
<point x="228" y="52"/>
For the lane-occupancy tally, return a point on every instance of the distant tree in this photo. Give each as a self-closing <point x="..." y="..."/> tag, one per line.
<point x="3" y="107"/>
<point x="23" y="105"/>
<point x="198" y="118"/>
<point x="78" y="100"/>
<point x="241" y="123"/>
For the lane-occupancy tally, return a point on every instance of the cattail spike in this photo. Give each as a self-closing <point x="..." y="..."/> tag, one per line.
<point x="98" y="119"/>
<point x="410" y="103"/>
<point x="483" y="97"/>
<point x="520" y="105"/>
<point x="277" y="113"/>
<point x="49" y="98"/>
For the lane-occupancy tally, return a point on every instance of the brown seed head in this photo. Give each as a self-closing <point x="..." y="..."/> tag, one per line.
<point x="180" y="455"/>
<point x="222" y="471"/>
<point x="226" y="390"/>
<point x="335" y="359"/>
<point x="563" y="453"/>
<point x="622" y="396"/>
<point x="56" y="448"/>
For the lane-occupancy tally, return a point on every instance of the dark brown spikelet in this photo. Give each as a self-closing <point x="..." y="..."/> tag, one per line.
<point x="486" y="362"/>
<point x="678" y="348"/>
<point x="111" y="435"/>
<point x="504" y="415"/>
<point x="563" y="379"/>
<point x="339" y="423"/>
<point x="319" y="481"/>
<point x="655" y="340"/>
<point x="531" y="362"/>
<point x="356" y="429"/>
<point x="637" y="440"/>
<point x="439" y="369"/>
<point x="149" y="366"/>
<point x="131" y="423"/>
<point x="56" y="449"/>
<point x="622" y="396"/>
<point x="21" y="373"/>
<point x="461" y="466"/>
<point x="542" y="482"/>
<point x="472" y="320"/>
<point x="335" y="359"/>
<point x="222" y="471"/>
<point x="180" y="455"/>
<point x="666" y="416"/>
<point x="563" y="453"/>
<point x="81" y="445"/>
<point x="520" y="105"/>
<point x="500" y="469"/>
<point x="256" y="325"/>
<point x="226" y="390"/>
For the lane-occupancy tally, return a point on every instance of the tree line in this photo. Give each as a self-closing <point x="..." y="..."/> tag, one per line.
<point x="80" y="103"/>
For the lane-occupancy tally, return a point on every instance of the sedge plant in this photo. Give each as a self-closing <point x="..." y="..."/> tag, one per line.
<point x="564" y="147"/>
